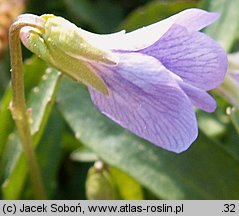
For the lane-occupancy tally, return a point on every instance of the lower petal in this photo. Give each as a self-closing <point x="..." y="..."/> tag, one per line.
<point x="145" y="99"/>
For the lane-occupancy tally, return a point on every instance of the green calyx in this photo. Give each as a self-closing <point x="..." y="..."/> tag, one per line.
<point x="61" y="44"/>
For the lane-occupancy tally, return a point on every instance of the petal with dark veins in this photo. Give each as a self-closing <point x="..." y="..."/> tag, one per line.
<point x="193" y="56"/>
<point x="145" y="99"/>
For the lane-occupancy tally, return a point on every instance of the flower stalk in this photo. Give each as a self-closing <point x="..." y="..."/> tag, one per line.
<point x="18" y="105"/>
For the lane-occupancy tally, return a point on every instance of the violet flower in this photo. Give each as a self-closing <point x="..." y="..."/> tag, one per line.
<point x="149" y="80"/>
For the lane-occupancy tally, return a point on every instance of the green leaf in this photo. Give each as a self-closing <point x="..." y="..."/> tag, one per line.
<point x="49" y="155"/>
<point x="41" y="101"/>
<point x="33" y="69"/>
<point x="210" y="124"/>
<point x="234" y="114"/>
<point x="4" y="71"/>
<point x="83" y="155"/>
<point x="153" y="12"/>
<point x="225" y="30"/>
<point x="128" y="188"/>
<point x="198" y="173"/>
<point x="13" y="163"/>
<point x="104" y="16"/>
<point x="70" y="143"/>
<point x="214" y="125"/>
<point x="6" y="122"/>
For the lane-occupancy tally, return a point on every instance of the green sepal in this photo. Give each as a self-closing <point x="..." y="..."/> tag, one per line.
<point x="77" y="69"/>
<point x="72" y="40"/>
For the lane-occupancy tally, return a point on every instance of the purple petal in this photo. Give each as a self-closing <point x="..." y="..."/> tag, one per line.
<point x="145" y="99"/>
<point x="199" y="98"/>
<point x="195" y="19"/>
<point x="194" y="56"/>
<point x="192" y="19"/>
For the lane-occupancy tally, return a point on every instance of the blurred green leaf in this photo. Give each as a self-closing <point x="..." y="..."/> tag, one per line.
<point x="47" y="7"/>
<point x="128" y="188"/>
<point x="199" y="173"/>
<point x="49" y="152"/>
<point x="84" y="155"/>
<point x="13" y="163"/>
<point x="210" y="124"/>
<point x="41" y="101"/>
<point x="101" y="15"/>
<point x="153" y="12"/>
<point x="234" y="115"/>
<point x="214" y="125"/>
<point x="71" y="180"/>
<point x="225" y="30"/>
<point x="33" y="69"/>
<point x="218" y="126"/>
<point x="70" y="143"/>
<point x="4" y="72"/>
<point x="6" y="122"/>
<point x="32" y="66"/>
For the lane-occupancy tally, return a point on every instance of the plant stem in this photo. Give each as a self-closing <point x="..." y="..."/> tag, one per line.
<point x="18" y="106"/>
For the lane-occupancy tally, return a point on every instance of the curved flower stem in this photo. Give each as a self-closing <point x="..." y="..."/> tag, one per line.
<point x="18" y="106"/>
